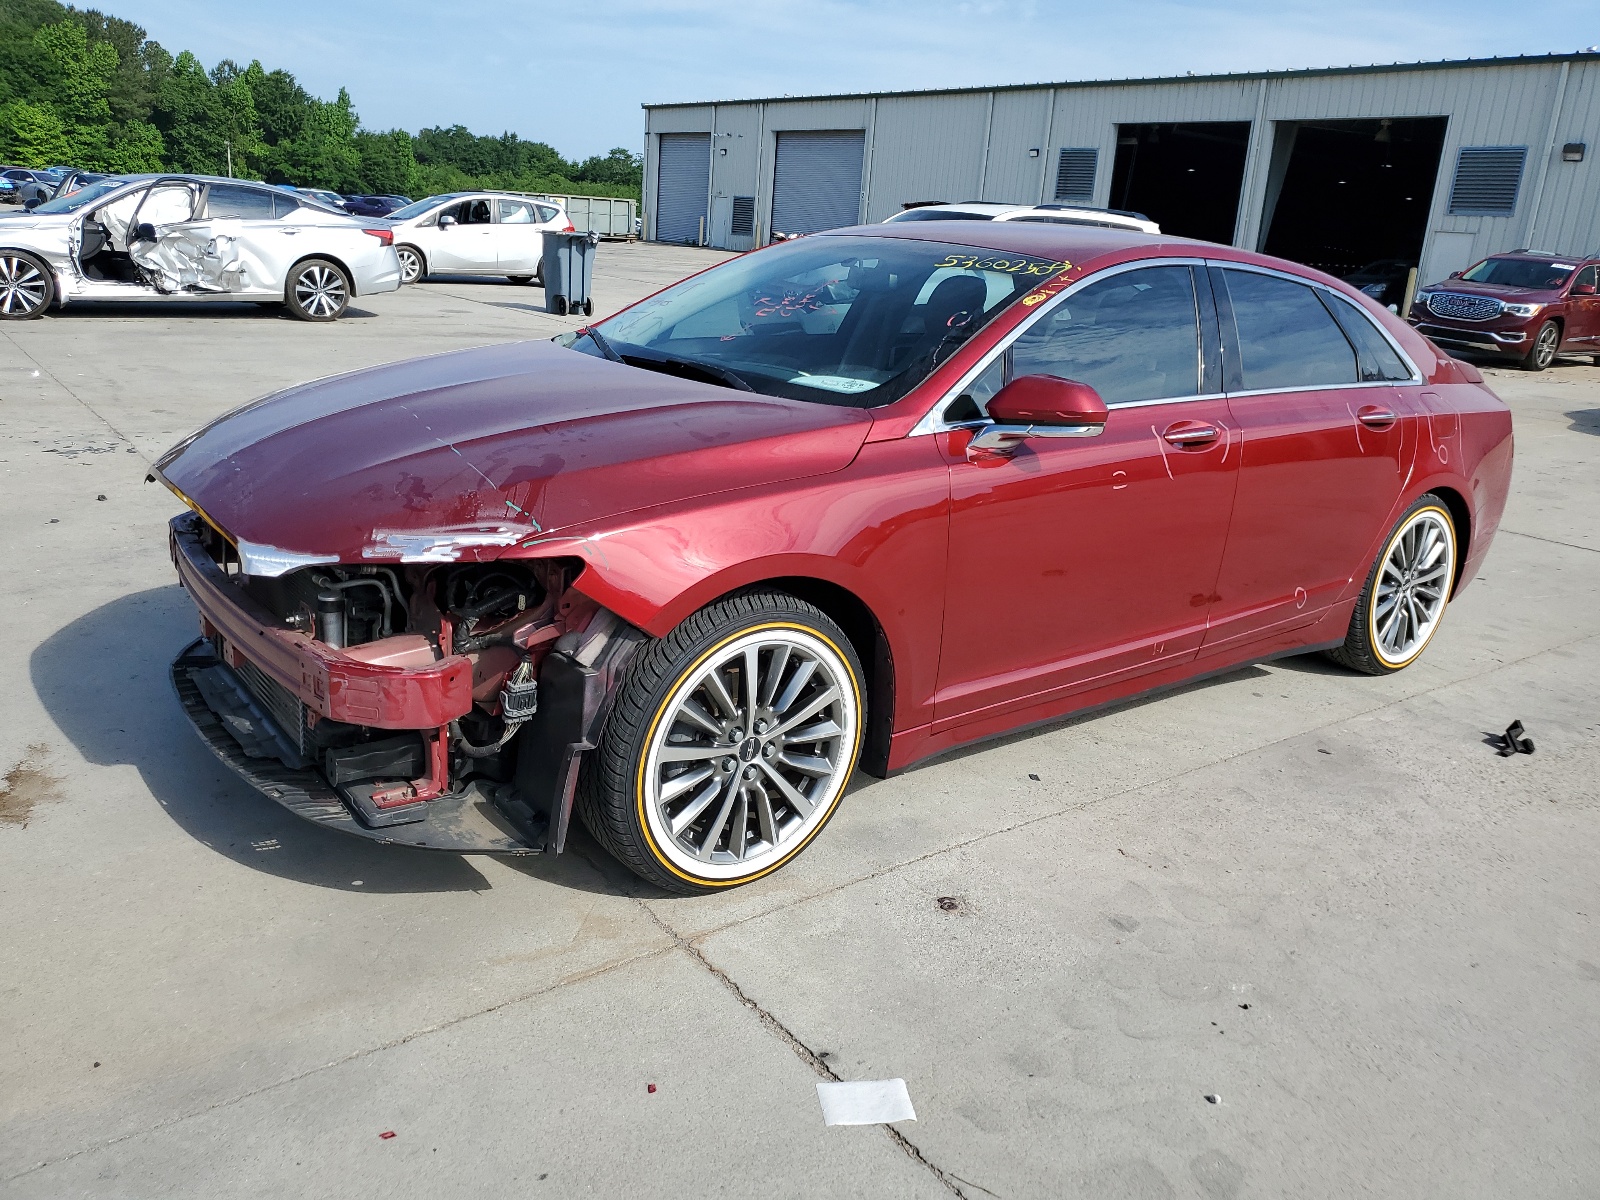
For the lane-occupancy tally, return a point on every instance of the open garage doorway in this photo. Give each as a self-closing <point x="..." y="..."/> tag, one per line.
<point x="1351" y="197"/>
<point x="1186" y="177"/>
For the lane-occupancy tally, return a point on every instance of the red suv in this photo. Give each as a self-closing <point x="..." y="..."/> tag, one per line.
<point x="1525" y="305"/>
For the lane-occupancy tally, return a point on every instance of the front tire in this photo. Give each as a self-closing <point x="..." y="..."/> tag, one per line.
<point x="26" y="287"/>
<point x="1543" y="351"/>
<point x="1406" y="592"/>
<point x="412" y="265"/>
<point x="520" y="278"/>
<point x="729" y="744"/>
<point x="318" y="290"/>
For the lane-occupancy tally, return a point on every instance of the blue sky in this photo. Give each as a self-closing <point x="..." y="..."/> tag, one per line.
<point x="574" y="75"/>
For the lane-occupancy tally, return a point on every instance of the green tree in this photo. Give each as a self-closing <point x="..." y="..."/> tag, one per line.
<point x="32" y="135"/>
<point x="388" y="163"/>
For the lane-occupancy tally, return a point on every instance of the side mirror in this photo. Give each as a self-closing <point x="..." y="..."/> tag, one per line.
<point x="1455" y="274"/>
<point x="1045" y="406"/>
<point x="31" y="203"/>
<point x="1583" y="289"/>
<point x="143" y="232"/>
<point x="446" y="221"/>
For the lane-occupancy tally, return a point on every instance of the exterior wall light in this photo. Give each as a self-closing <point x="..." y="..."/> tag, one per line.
<point x="1572" y="152"/>
<point x="1033" y="153"/>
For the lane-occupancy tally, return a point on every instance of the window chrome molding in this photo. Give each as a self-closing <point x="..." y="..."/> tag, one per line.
<point x="934" y="422"/>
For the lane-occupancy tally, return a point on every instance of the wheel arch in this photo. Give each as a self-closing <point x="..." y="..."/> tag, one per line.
<point x="333" y="258"/>
<point x="853" y="615"/>
<point x="1461" y="517"/>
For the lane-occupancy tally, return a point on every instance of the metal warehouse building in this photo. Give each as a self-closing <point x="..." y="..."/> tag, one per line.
<point x="1436" y="164"/>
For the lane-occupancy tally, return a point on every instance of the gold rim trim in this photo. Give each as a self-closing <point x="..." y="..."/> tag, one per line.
<point x="655" y="721"/>
<point x="1372" y="607"/>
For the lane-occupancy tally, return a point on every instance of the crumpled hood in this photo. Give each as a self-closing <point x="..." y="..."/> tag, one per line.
<point x="463" y="454"/>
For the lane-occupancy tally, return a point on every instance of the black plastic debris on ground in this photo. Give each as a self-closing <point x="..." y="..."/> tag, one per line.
<point x="1512" y="741"/>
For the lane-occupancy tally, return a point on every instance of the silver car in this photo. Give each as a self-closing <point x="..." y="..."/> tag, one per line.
<point x="191" y="237"/>
<point x="475" y="233"/>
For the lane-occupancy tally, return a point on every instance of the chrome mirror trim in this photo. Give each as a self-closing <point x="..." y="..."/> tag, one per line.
<point x="999" y="439"/>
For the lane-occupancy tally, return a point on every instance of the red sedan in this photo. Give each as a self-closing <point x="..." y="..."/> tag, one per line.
<point x="851" y="500"/>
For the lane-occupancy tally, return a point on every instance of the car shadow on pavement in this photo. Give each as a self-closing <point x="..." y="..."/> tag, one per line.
<point x="103" y="679"/>
<point x="1585" y="420"/>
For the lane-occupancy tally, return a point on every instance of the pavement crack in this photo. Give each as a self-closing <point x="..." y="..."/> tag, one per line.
<point x="353" y="1056"/>
<point x="801" y="1051"/>
<point x="1549" y="541"/>
<point x="67" y="388"/>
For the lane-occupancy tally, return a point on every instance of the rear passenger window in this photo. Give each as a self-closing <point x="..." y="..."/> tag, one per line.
<point x="1375" y="357"/>
<point x="1133" y="336"/>
<point x="1287" y="339"/>
<point x="244" y="203"/>
<point x="283" y="205"/>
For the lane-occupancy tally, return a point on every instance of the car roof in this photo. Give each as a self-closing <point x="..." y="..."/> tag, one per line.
<point x="1087" y="246"/>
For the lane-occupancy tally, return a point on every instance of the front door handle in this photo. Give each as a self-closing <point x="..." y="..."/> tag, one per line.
<point x="1374" y="416"/>
<point x="288" y="232"/>
<point x="1190" y="433"/>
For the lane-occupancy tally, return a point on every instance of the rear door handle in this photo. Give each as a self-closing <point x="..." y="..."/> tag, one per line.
<point x="1189" y="433"/>
<point x="288" y="232"/>
<point x="1375" y="417"/>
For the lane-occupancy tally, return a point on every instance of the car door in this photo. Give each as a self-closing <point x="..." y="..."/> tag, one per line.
<point x="519" y="238"/>
<point x="1583" y="309"/>
<point x="245" y="245"/>
<point x="468" y="245"/>
<point x="1077" y="562"/>
<point x="1328" y="411"/>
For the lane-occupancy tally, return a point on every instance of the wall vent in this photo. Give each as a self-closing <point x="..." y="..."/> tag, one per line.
<point x="744" y="216"/>
<point x="1075" y="173"/>
<point x="1487" y="180"/>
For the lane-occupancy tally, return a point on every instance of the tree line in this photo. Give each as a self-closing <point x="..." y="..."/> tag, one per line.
<point x="80" y="88"/>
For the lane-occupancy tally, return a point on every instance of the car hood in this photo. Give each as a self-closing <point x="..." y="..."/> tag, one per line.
<point x="462" y="455"/>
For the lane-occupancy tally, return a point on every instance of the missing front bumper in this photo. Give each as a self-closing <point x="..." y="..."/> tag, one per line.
<point x="463" y="823"/>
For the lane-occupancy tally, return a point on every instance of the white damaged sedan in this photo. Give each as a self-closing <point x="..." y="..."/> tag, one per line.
<point x="191" y="237"/>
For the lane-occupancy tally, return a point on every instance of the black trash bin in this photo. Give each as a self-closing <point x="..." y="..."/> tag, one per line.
<point x="568" y="266"/>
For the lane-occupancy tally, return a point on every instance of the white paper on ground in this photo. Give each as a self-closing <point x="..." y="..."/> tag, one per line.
<point x="865" y="1102"/>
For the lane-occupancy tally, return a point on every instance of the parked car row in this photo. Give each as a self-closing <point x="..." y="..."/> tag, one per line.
<point x="190" y="237"/>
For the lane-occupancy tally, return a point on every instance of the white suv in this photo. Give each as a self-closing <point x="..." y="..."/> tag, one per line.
<point x="1049" y="214"/>
<point x="475" y="233"/>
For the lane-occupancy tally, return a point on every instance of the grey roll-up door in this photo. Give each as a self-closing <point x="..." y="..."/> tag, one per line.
<point x="1487" y="180"/>
<point x="816" y="182"/>
<point x="683" y="186"/>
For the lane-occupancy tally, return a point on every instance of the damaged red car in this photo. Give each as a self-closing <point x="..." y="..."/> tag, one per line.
<point x="848" y="501"/>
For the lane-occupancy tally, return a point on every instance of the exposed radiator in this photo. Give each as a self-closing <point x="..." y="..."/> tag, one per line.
<point x="282" y="705"/>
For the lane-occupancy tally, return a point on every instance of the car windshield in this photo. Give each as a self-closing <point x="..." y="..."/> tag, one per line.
<point x="855" y="321"/>
<point x="81" y="197"/>
<point x="420" y="207"/>
<point x="1521" y="272"/>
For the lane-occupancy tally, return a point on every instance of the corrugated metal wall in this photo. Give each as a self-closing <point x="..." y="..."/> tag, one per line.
<point x="979" y="145"/>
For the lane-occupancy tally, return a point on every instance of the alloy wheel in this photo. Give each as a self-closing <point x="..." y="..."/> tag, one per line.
<point x="1544" y="350"/>
<point x="410" y="265"/>
<point x="753" y="748"/>
<point x="321" y="291"/>
<point x="23" y="288"/>
<point x="1413" y="586"/>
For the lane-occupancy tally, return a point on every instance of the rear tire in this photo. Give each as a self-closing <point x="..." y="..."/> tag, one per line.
<point x="1406" y="593"/>
<point x="711" y="774"/>
<point x="318" y="290"/>
<point x="520" y="278"/>
<point x="26" y="287"/>
<point x="1543" y="351"/>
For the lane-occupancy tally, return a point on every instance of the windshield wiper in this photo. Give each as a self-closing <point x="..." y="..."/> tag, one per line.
<point x="654" y="360"/>
<point x="600" y="342"/>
